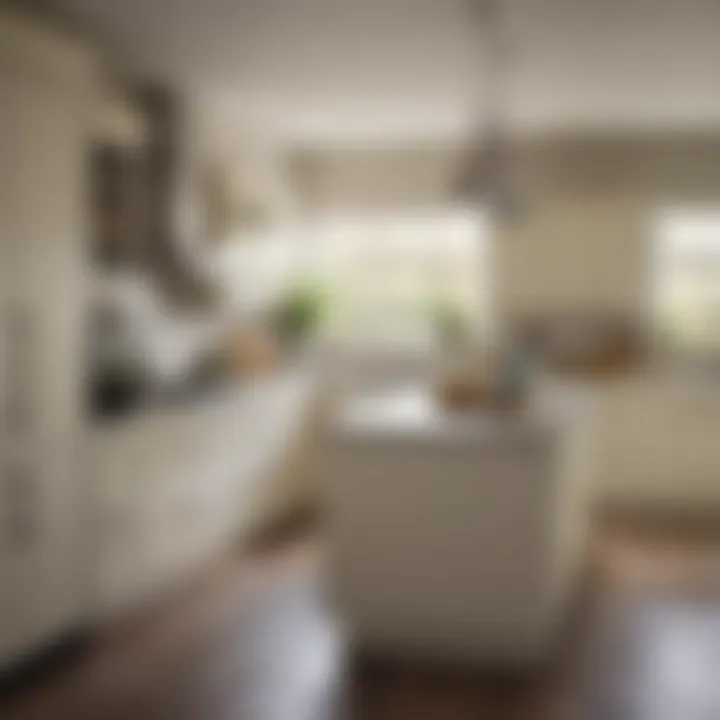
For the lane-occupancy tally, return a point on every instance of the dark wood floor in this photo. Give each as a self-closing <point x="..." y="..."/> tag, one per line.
<point x="252" y="641"/>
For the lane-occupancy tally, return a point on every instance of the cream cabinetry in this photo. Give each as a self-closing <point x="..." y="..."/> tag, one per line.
<point x="456" y="535"/>
<point x="46" y="97"/>
<point x="175" y="486"/>
<point x="658" y="442"/>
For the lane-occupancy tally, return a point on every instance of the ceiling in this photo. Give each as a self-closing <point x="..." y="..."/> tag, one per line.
<point x="345" y="70"/>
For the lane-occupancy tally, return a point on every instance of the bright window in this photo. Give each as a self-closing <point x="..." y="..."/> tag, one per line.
<point x="687" y="278"/>
<point x="390" y="275"/>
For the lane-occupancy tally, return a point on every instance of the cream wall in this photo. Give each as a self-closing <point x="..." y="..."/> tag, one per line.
<point x="385" y="176"/>
<point x="583" y="242"/>
<point x="574" y="252"/>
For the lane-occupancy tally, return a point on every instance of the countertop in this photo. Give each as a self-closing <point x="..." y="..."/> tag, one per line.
<point x="414" y="413"/>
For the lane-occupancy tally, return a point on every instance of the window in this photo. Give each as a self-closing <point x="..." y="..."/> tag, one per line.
<point x="254" y="269"/>
<point x="389" y="276"/>
<point x="687" y="278"/>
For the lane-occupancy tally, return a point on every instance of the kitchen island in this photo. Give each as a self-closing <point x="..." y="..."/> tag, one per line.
<point x="457" y="534"/>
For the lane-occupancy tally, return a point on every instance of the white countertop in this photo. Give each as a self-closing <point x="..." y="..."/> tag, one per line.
<point x="414" y="412"/>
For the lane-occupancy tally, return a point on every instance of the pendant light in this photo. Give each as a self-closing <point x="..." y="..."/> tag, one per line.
<point x="486" y="177"/>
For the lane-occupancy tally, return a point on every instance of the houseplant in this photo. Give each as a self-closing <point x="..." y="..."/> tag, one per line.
<point x="299" y="313"/>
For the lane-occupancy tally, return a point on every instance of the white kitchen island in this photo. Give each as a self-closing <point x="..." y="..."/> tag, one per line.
<point x="456" y="534"/>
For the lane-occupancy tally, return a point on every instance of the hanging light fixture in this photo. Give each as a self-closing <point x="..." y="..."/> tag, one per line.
<point x="486" y="176"/>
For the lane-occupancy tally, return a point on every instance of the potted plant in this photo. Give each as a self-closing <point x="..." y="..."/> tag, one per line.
<point x="450" y="321"/>
<point x="299" y="313"/>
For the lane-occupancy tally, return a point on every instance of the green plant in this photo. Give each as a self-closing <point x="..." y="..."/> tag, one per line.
<point x="449" y="320"/>
<point x="299" y="312"/>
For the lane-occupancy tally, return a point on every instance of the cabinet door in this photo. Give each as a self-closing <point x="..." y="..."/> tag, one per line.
<point x="5" y="184"/>
<point x="40" y="135"/>
<point x="11" y="121"/>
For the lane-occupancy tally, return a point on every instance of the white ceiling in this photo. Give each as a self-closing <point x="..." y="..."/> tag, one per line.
<point x="338" y="70"/>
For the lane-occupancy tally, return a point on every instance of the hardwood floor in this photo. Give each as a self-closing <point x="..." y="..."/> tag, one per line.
<point x="252" y="641"/>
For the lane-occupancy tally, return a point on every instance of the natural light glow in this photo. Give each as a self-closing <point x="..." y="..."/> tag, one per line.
<point x="687" y="277"/>
<point x="388" y="273"/>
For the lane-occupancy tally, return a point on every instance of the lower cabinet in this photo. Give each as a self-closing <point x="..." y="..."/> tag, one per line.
<point x="175" y="489"/>
<point x="658" y="444"/>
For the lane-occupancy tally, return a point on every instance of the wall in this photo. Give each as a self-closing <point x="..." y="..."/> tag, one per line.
<point x="582" y="243"/>
<point x="585" y="240"/>
<point x="391" y="176"/>
<point x="574" y="253"/>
